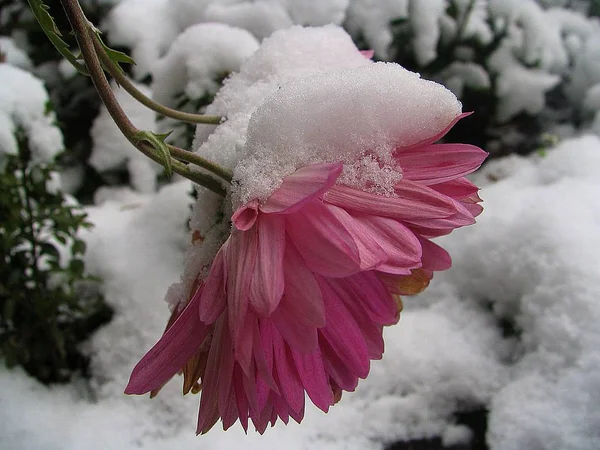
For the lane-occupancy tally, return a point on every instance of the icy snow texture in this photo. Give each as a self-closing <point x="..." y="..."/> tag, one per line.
<point x="111" y="149"/>
<point x="195" y="63"/>
<point x="315" y="50"/>
<point x="530" y="260"/>
<point x="23" y="100"/>
<point x="370" y="110"/>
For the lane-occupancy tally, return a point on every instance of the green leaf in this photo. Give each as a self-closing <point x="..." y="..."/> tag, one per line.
<point x="40" y="11"/>
<point x="78" y="247"/>
<point x="114" y="55"/>
<point x="158" y="142"/>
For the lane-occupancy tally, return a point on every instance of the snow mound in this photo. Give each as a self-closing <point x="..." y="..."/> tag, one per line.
<point x="341" y="116"/>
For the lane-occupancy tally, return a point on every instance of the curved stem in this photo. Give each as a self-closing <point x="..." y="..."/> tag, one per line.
<point x="194" y="158"/>
<point x="83" y="34"/>
<point x="124" y="81"/>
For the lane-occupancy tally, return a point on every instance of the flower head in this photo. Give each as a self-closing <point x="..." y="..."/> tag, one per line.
<point x="338" y="190"/>
<point x="298" y="295"/>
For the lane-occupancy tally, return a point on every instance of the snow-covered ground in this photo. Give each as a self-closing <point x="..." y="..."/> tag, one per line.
<point x="531" y="262"/>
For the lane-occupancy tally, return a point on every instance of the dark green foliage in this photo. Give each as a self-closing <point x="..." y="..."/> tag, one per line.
<point x="48" y="304"/>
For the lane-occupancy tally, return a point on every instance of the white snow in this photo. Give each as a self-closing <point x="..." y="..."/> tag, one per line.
<point x="13" y="54"/>
<point x="112" y="150"/>
<point x="202" y="54"/>
<point x="286" y="132"/>
<point x="27" y="112"/>
<point x="145" y="26"/>
<point x="531" y="259"/>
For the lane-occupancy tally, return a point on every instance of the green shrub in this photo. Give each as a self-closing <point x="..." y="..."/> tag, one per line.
<point x="48" y="304"/>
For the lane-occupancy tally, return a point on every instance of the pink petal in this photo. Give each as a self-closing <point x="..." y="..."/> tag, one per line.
<point x="336" y="368"/>
<point x="209" y="401"/>
<point x="342" y="333"/>
<point x="289" y="381"/>
<point x="438" y="136"/>
<point x="371" y="254"/>
<point x="263" y="357"/>
<point x="302" y="186"/>
<point x="462" y="218"/>
<point x="371" y="332"/>
<point x="298" y="334"/>
<point x="267" y="283"/>
<point x="434" y="256"/>
<point x="243" y="219"/>
<point x="374" y="296"/>
<point x="240" y="257"/>
<point x="368" y="53"/>
<point x="212" y="297"/>
<point x="439" y="162"/>
<point x="243" y="405"/>
<point x="401" y="246"/>
<point x="314" y="379"/>
<point x="170" y="353"/>
<point x="414" y="201"/>
<point x="324" y="243"/>
<point x="456" y="189"/>
<point x="302" y="298"/>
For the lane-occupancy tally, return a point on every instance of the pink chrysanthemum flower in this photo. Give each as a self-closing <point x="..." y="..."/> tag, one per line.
<point x="298" y="295"/>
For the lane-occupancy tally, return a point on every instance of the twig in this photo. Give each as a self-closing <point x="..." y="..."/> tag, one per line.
<point x="124" y="81"/>
<point x="83" y="34"/>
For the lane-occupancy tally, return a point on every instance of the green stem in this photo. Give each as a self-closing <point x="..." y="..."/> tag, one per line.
<point x="194" y="158"/>
<point x="84" y="34"/>
<point x="124" y="81"/>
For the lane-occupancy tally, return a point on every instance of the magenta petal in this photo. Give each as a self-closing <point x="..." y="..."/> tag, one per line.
<point x="267" y="283"/>
<point x="170" y="353"/>
<point x="324" y="243"/>
<point x="314" y="379"/>
<point x="439" y="162"/>
<point x="400" y="244"/>
<point x="240" y="258"/>
<point x="434" y="256"/>
<point x="374" y="296"/>
<point x="298" y="334"/>
<point x="414" y="201"/>
<point x="371" y="332"/>
<point x="209" y="410"/>
<point x="243" y="405"/>
<point x="342" y="333"/>
<point x="212" y="296"/>
<point x="291" y="386"/>
<point x="301" y="187"/>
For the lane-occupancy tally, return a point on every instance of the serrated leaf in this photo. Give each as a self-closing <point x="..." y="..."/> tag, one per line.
<point x="40" y="11"/>
<point x="158" y="143"/>
<point x="114" y="55"/>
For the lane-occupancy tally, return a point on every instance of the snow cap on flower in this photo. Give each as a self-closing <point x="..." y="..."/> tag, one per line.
<point x="358" y="116"/>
